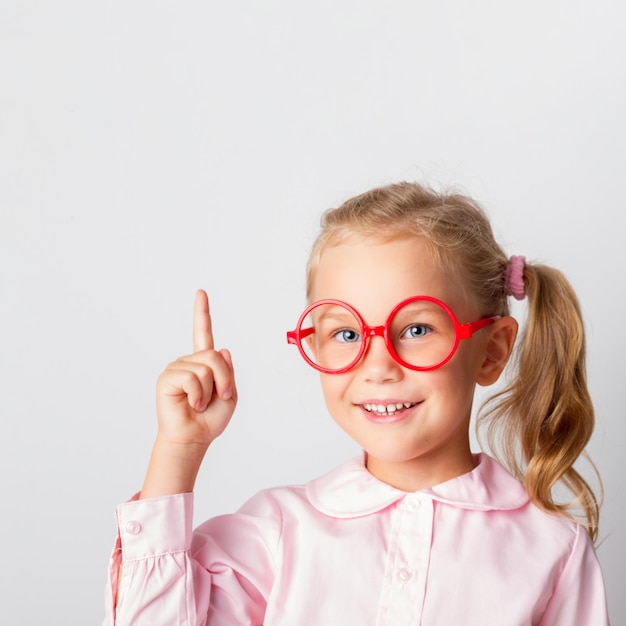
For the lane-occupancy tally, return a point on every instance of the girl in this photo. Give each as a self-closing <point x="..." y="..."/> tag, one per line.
<point x="408" y="293"/>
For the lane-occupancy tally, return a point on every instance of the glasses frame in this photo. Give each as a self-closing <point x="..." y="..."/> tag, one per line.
<point x="461" y="331"/>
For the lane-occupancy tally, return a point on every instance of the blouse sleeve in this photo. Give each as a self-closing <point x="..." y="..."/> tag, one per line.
<point x="220" y="574"/>
<point x="579" y="598"/>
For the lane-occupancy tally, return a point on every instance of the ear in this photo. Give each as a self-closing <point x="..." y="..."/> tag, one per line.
<point x="312" y="347"/>
<point x="498" y="348"/>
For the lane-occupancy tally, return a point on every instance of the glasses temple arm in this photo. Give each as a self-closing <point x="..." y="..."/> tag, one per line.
<point x="467" y="330"/>
<point x="294" y="336"/>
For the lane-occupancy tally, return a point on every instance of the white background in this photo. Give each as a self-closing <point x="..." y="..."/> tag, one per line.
<point x="151" y="148"/>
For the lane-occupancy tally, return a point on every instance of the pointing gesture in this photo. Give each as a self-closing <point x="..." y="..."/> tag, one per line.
<point x="196" y="397"/>
<point x="196" y="394"/>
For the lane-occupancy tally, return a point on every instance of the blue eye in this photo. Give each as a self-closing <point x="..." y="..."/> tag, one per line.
<point x="417" y="331"/>
<point x="347" y="335"/>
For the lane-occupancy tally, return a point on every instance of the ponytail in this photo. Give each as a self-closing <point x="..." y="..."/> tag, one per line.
<point x="546" y="411"/>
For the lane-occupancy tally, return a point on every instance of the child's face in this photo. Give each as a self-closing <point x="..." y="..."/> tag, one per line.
<point x="430" y="438"/>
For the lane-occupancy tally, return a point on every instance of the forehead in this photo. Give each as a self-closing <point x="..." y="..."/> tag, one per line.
<point x="373" y="276"/>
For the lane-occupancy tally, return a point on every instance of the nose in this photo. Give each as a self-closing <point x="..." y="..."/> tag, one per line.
<point x="377" y="364"/>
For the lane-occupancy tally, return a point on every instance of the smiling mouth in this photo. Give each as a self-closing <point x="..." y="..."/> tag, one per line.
<point x="383" y="410"/>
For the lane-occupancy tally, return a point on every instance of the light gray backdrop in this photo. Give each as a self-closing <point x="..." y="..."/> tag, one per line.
<point x="151" y="148"/>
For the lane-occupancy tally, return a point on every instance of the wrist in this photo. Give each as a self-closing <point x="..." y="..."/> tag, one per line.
<point x="179" y="451"/>
<point x="173" y="468"/>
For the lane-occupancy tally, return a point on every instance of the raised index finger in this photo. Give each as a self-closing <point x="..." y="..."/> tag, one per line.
<point x="202" y="331"/>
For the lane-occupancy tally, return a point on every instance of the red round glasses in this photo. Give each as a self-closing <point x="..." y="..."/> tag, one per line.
<point x="421" y="333"/>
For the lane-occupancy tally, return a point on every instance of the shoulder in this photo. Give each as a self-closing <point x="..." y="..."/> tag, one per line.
<point x="490" y="498"/>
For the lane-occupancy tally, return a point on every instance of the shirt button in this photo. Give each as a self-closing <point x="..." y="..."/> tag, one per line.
<point x="405" y="574"/>
<point x="412" y="503"/>
<point x="133" y="528"/>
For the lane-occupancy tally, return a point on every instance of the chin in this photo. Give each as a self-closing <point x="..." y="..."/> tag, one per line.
<point x="391" y="456"/>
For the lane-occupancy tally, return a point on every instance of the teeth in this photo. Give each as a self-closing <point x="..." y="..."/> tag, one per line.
<point x="389" y="409"/>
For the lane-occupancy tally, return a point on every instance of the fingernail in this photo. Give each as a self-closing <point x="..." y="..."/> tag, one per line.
<point x="228" y="394"/>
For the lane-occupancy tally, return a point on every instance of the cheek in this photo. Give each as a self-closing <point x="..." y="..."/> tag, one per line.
<point x="334" y="388"/>
<point x="330" y="388"/>
<point x="467" y="360"/>
<point x="456" y="379"/>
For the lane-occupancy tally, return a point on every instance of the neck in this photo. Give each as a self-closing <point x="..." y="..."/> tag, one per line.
<point x="423" y="472"/>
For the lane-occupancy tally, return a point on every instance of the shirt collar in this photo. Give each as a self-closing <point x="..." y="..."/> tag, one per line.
<point x="351" y="491"/>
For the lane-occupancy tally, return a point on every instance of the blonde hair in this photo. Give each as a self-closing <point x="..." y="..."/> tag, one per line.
<point x="540" y="423"/>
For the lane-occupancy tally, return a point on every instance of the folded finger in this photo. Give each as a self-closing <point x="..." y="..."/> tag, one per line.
<point x="183" y="382"/>
<point x="221" y="370"/>
<point x="203" y="374"/>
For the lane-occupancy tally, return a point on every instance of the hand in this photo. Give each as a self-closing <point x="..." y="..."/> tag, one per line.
<point x="196" y="394"/>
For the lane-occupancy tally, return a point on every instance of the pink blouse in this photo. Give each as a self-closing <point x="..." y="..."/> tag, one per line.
<point x="347" y="549"/>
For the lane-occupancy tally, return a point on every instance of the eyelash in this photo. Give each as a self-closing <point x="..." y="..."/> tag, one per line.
<point x="428" y="329"/>
<point x="339" y="333"/>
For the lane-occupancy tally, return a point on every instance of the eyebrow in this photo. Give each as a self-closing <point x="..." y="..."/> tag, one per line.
<point x="338" y="314"/>
<point x="423" y="307"/>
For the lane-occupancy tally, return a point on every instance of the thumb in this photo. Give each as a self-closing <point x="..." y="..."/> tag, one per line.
<point x="228" y="358"/>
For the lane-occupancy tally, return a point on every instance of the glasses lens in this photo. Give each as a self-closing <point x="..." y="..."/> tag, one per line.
<point x="422" y="333"/>
<point x="331" y="337"/>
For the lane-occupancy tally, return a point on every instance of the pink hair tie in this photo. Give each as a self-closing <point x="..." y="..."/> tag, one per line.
<point x="514" y="278"/>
